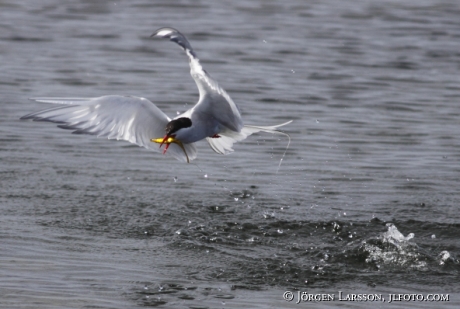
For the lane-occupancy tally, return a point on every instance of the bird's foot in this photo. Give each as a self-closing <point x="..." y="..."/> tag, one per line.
<point x="215" y="136"/>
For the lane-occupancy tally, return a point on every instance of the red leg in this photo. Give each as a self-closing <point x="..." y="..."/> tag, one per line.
<point x="215" y="136"/>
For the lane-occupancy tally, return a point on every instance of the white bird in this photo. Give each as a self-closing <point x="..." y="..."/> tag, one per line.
<point x="137" y="120"/>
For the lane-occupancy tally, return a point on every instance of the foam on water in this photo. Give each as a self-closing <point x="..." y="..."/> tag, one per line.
<point x="393" y="249"/>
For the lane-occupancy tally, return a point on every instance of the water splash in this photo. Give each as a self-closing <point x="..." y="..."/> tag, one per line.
<point x="393" y="249"/>
<point x="394" y="236"/>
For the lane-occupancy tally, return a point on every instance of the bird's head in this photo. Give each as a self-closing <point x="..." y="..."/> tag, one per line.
<point x="171" y="129"/>
<point x="176" y="124"/>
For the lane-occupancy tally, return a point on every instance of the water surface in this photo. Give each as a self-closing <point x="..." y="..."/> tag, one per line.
<point x="373" y="90"/>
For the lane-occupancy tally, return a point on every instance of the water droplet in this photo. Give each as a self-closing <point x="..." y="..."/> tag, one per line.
<point x="146" y="287"/>
<point x="433" y="236"/>
<point x="175" y="179"/>
<point x="443" y="257"/>
<point x="223" y="303"/>
<point x="236" y="199"/>
<point x="205" y="175"/>
<point x="280" y="231"/>
<point x="264" y="41"/>
<point x="177" y="113"/>
<point x="317" y="121"/>
<point x="292" y="71"/>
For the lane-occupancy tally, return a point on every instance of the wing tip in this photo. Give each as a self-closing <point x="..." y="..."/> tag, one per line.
<point x="25" y="117"/>
<point x="58" y="100"/>
<point x="164" y="32"/>
<point x="176" y="36"/>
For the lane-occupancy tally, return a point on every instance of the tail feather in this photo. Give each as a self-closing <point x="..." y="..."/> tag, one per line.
<point x="224" y="144"/>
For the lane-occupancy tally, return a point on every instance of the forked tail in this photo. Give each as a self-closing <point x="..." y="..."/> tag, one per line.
<point x="224" y="144"/>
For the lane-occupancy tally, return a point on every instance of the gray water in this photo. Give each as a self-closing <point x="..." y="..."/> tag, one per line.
<point x="373" y="89"/>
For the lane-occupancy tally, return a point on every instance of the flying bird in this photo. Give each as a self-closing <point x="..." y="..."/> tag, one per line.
<point x="215" y="117"/>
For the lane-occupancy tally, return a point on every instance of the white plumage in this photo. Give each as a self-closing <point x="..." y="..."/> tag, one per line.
<point x="137" y="120"/>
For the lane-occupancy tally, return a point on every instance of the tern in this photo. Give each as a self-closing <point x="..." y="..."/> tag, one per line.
<point x="137" y="120"/>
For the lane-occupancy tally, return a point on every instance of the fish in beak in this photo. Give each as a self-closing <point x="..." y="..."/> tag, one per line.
<point x="167" y="140"/>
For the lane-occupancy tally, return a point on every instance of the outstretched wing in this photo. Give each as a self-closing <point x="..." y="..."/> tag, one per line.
<point x="224" y="144"/>
<point x="214" y="101"/>
<point x="133" y="119"/>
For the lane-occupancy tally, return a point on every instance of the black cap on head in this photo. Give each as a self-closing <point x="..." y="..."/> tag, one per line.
<point x="177" y="124"/>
